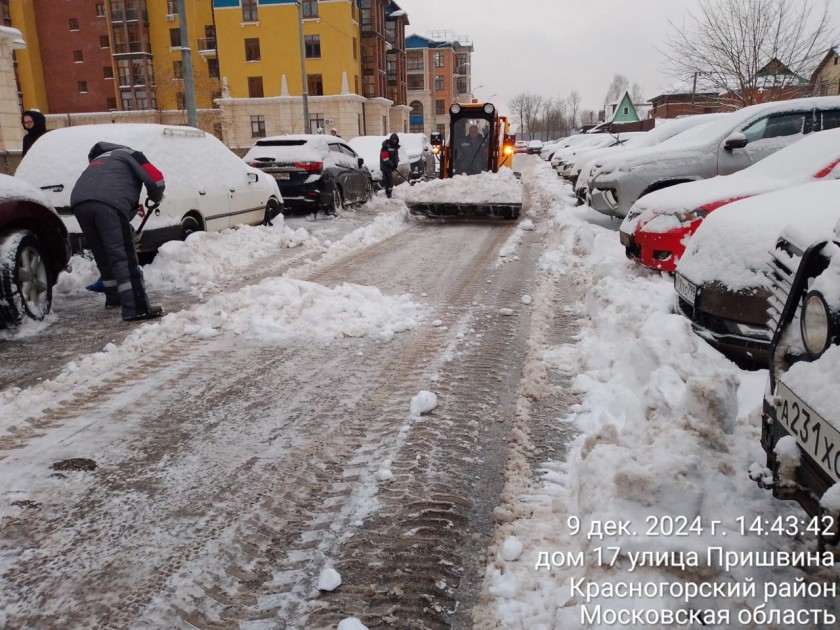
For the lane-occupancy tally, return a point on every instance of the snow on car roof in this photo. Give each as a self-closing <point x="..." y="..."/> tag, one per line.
<point x="16" y="188"/>
<point x="185" y="155"/>
<point x="815" y="157"/>
<point x="732" y="244"/>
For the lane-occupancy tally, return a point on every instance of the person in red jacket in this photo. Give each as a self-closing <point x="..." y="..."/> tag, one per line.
<point x="389" y="160"/>
<point x="104" y="200"/>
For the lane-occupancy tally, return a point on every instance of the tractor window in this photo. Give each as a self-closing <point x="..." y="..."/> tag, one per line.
<point x="471" y="146"/>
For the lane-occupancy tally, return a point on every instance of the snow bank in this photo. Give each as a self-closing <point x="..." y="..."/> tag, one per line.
<point x="501" y="187"/>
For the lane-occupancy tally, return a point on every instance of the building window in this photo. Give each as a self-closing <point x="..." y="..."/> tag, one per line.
<point x="310" y="8"/>
<point x="252" y="49"/>
<point x="249" y="10"/>
<point x="416" y="82"/>
<point x="439" y="83"/>
<point x="111" y="103"/>
<point x="103" y="41"/>
<point x="355" y="48"/>
<point x="78" y="57"/>
<point x="438" y="57"/>
<point x="213" y="68"/>
<point x="461" y="85"/>
<point x="82" y="87"/>
<point x="356" y="84"/>
<point x="107" y="72"/>
<point x="255" y="87"/>
<point x="314" y="85"/>
<point x="316" y="122"/>
<point x="313" y="46"/>
<point x="440" y="107"/>
<point x="175" y="37"/>
<point x="414" y="61"/>
<point x="172" y="7"/>
<point x="74" y="24"/>
<point x="626" y="110"/>
<point x="258" y="126"/>
<point x="178" y="69"/>
<point x="100" y="9"/>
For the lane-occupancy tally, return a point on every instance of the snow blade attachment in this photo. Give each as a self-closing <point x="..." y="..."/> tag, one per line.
<point x="452" y="209"/>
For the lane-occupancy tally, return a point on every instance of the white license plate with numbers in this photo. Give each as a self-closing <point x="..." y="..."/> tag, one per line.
<point x="283" y="176"/>
<point x="685" y="289"/>
<point x="815" y="436"/>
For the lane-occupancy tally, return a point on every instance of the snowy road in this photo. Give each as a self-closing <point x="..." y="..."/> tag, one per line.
<point x="230" y="469"/>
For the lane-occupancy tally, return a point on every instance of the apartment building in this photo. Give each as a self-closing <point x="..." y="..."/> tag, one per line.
<point x="126" y="56"/>
<point x="438" y="74"/>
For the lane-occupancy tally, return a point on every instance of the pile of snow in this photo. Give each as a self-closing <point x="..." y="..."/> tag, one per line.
<point x="501" y="187"/>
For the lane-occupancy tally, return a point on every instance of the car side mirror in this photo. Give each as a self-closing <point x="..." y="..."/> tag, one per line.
<point x="736" y="140"/>
<point x="361" y="162"/>
<point x="253" y="178"/>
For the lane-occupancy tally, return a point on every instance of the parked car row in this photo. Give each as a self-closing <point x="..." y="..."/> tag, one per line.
<point x="742" y="211"/>
<point x="208" y="187"/>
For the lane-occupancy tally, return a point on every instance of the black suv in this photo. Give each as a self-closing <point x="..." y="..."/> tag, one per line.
<point x="800" y="430"/>
<point x="314" y="172"/>
<point x="34" y="248"/>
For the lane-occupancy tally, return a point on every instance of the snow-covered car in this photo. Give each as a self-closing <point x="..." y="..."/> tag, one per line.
<point x="521" y="146"/>
<point x="34" y="249"/>
<point x="534" y="146"/>
<point x="314" y="172"/>
<point x="417" y="161"/>
<point x="722" y="280"/>
<point x="590" y="141"/>
<point x="571" y="167"/>
<point x="800" y="430"/>
<point x="208" y="187"/>
<point x="719" y="148"/>
<point x="655" y="231"/>
<point x="550" y="148"/>
<point x="664" y="131"/>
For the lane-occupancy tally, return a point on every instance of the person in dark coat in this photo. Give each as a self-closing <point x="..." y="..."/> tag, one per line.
<point x="389" y="160"/>
<point x="104" y="200"/>
<point x="35" y="125"/>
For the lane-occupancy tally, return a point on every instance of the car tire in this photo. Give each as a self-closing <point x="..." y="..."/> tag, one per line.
<point x="336" y="202"/>
<point x="190" y="224"/>
<point x="26" y="282"/>
<point x="368" y="191"/>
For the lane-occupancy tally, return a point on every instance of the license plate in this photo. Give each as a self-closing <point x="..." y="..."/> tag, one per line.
<point x="624" y="237"/>
<point x="281" y="176"/>
<point x="685" y="289"/>
<point x="814" y="435"/>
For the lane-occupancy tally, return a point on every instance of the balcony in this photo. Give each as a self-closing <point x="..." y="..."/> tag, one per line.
<point x="123" y="48"/>
<point x="207" y="46"/>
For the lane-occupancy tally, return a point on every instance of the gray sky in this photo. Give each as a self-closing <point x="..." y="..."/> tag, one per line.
<point x="551" y="47"/>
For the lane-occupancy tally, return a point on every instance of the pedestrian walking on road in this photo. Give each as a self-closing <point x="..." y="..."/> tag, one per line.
<point x="105" y="199"/>
<point x="389" y="160"/>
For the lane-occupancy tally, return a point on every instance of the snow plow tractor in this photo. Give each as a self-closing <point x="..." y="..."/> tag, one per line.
<point x="479" y="145"/>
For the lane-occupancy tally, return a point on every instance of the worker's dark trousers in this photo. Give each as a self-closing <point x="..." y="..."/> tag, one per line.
<point x="109" y="236"/>
<point x="388" y="180"/>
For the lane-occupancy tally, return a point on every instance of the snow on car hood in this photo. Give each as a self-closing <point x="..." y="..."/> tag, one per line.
<point x="300" y="148"/>
<point x="732" y="244"/>
<point x="501" y="187"/>
<point x="187" y="157"/>
<point x="16" y="188"/>
<point x="815" y="157"/>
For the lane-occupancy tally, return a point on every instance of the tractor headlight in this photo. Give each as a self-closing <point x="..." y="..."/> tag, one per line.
<point x="815" y="324"/>
<point x="454" y="108"/>
<point x="488" y="109"/>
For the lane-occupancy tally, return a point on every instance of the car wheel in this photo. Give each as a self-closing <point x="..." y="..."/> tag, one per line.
<point x="368" y="191"/>
<point x="26" y="282"/>
<point x="272" y="209"/>
<point x="336" y="202"/>
<point x="190" y="224"/>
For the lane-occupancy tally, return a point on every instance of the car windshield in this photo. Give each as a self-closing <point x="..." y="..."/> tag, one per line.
<point x="470" y="146"/>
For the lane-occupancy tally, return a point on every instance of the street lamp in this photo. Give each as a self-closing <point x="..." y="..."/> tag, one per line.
<point x="303" y="68"/>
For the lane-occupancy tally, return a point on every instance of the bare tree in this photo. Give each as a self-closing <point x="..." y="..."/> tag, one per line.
<point x="573" y="102"/>
<point x="620" y="84"/>
<point x="729" y="42"/>
<point x="526" y="110"/>
<point x="637" y="93"/>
